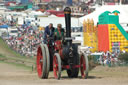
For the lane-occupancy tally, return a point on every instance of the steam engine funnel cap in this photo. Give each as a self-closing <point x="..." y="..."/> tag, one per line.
<point x="67" y="10"/>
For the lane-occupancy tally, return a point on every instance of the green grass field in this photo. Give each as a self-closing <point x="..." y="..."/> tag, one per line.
<point x="10" y="55"/>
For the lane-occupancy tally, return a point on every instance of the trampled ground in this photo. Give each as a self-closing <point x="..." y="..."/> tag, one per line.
<point x="13" y="75"/>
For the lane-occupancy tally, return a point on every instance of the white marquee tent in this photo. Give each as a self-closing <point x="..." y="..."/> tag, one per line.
<point x="94" y="15"/>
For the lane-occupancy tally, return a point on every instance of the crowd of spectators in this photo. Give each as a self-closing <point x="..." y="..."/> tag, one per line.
<point x="28" y="36"/>
<point x="110" y="59"/>
<point x="26" y="41"/>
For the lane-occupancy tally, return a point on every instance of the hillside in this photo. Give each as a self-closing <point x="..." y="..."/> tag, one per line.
<point x="8" y="53"/>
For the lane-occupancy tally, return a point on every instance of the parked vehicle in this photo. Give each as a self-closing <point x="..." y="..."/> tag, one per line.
<point x="13" y="31"/>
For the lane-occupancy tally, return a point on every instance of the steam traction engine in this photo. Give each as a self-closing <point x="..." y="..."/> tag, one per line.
<point x="57" y="56"/>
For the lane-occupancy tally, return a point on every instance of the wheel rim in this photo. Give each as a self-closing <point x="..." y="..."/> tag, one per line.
<point x="55" y="66"/>
<point x="39" y="62"/>
<point x="83" y="66"/>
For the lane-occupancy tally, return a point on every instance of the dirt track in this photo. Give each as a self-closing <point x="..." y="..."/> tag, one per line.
<point x="12" y="75"/>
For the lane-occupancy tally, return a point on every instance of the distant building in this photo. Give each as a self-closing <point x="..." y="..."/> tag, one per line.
<point x="69" y="2"/>
<point x="52" y="0"/>
<point x="26" y="1"/>
<point x="46" y="0"/>
<point x="1" y="0"/>
<point x="113" y="2"/>
<point x="125" y="2"/>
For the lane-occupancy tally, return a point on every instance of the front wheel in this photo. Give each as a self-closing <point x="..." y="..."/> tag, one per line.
<point x="84" y="67"/>
<point x="57" y="66"/>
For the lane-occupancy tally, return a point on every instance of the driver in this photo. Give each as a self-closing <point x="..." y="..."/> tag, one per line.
<point x="49" y="32"/>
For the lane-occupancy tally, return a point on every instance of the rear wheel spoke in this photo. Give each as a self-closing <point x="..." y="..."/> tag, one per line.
<point x="57" y="66"/>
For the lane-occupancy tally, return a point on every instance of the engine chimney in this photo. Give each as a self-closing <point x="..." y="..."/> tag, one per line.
<point x="67" y="12"/>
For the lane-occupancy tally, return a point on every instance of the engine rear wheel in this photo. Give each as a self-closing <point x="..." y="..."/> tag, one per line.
<point x="57" y="66"/>
<point x="41" y="62"/>
<point x="47" y="60"/>
<point x="84" y="67"/>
